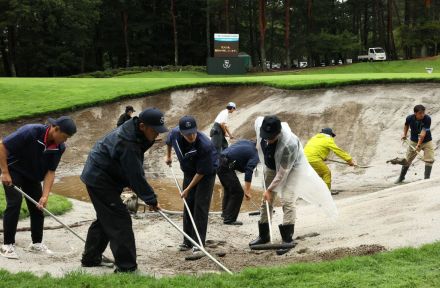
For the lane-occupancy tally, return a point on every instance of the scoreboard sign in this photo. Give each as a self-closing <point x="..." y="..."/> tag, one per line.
<point x="226" y="45"/>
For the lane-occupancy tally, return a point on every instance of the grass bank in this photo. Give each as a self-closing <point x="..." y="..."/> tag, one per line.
<point x="56" y="204"/>
<point x="28" y="97"/>
<point x="408" y="267"/>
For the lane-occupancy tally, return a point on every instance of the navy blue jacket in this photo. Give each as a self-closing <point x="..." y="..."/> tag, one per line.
<point x="199" y="157"/>
<point x="28" y="153"/>
<point x="417" y="126"/>
<point x="245" y="155"/>
<point x="116" y="161"/>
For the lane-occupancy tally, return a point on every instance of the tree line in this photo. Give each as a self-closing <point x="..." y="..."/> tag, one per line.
<point x="65" y="37"/>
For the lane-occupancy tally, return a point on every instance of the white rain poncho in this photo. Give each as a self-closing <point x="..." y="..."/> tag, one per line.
<point x="294" y="175"/>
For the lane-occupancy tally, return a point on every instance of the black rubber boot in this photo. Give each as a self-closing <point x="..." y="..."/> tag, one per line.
<point x="402" y="175"/>
<point x="286" y="232"/>
<point x="428" y="170"/>
<point x="263" y="236"/>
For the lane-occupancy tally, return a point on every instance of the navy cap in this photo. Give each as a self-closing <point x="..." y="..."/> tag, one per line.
<point x="328" y="131"/>
<point x="271" y="127"/>
<point x="154" y="118"/>
<point x="187" y="125"/>
<point x="65" y="123"/>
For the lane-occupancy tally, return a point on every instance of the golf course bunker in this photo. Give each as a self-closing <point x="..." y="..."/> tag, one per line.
<point x="374" y="214"/>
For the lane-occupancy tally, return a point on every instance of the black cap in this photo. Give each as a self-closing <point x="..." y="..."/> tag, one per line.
<point x="153" y="117"/>
<point x="65" y="123"/>
<point x="129" y="108"/>
<point x="328" y="131"/>
<point x="271" y="127"/>
<point x="187" y="125"/>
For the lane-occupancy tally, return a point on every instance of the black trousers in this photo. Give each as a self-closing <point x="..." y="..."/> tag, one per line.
<point x="198" y="200"/>
<point x="233" y="192"/>
<point x="13" y="205"/>
<point x="218" y="138"/>
<point x="113" y="225"/>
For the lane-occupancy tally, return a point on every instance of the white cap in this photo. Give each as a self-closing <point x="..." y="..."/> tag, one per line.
<point x="232" y="104"/>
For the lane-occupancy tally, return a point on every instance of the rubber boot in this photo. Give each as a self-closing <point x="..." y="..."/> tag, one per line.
<point x="428" y="170"/>
<point x="402" y="175"/>
<point x="263" y="237"/>
<point x="286" y="232"/>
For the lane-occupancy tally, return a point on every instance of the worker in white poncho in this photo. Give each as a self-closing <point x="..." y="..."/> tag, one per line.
<point x="288" y="175"/>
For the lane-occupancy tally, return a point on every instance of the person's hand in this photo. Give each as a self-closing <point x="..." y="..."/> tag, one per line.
<point x="42" y="203"/>
<point x="267" y="195"/>
<point x="351" y="163"/>
<point x="154" y="208"/>
<point x="231" y="137"/>
<point x="403" y="138"/>
<point x="247" y="194"/>
<point x="6" y="179"/>
<point x="168" y="160"/>
<point x="418" y="148"/>
<point x="184" y="194"/>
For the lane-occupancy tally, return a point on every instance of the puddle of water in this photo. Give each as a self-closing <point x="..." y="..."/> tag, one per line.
<point x="169" y="197"/>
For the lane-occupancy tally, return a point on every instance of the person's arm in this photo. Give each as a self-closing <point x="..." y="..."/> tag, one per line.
<point x="248" y="173"/>
<point x="247" y="190"/>
<point x="226" y="130"/>
<point x="49" y="178"/>
<point x="425" y="129"/>
<point x="422" y="136"/>
<point x="6" y="177"/>
<point x="196" y="179"/>
<point x="405" y="131"/>
<point x="339" y="152"/>
<point x="168" y="159"/>
<point x="133" y="167"/>
<point x="287" y="162"/>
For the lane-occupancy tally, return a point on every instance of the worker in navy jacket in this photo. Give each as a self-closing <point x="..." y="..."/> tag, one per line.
<point x="241" y="156"/>
<point x="29" y="156"/>
<point x="116" y="162"/>
<point x="198" y="161"/>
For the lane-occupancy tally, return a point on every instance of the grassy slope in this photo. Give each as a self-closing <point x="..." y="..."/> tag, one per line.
<point x="407" y="267"/>
<point x="57" y="204"/>
<point x="24" y="97"/>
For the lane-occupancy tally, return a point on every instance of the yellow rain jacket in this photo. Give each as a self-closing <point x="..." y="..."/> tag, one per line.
<point x="319" y="146"/>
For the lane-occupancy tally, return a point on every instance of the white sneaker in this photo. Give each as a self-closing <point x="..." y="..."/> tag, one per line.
<point x="39" y="248"/>
<point x="8" y="251"/>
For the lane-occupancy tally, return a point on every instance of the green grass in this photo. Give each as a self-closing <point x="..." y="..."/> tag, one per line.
<point x="56" y="204"/>
<point x="407" y="267"/>
<point x="27" y="97"/>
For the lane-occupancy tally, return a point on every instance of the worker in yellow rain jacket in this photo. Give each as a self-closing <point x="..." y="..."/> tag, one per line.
<point x="317" y="150"/>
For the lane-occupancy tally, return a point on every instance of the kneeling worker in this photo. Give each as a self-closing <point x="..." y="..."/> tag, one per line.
<point x="116" y="162"/>
<point x="317" y="150"/>
<point x="243" y="157"/>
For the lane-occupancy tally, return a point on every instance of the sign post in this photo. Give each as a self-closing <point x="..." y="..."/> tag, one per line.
<point x="226" y="60"/>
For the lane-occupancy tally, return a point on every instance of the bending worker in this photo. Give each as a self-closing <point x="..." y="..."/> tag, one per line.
<point x="116" y="162"/>
<point x="317" y="150"/>
<point x="243" y="157"/>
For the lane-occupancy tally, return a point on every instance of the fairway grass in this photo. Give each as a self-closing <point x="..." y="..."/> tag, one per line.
<point x="408" y="267"/>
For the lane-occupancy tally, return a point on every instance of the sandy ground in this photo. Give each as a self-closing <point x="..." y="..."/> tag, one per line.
<point x="405" y="215"/>
<point x="373" y="217"/>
